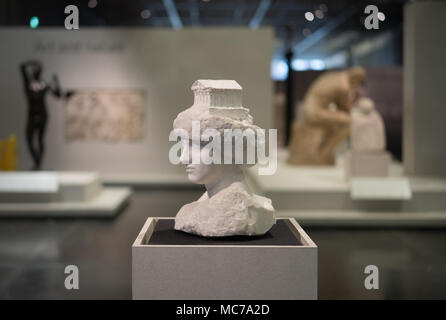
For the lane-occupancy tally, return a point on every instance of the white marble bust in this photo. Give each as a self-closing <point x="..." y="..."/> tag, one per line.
<point x="228" y="207"/>
<point x="367" y="127"/>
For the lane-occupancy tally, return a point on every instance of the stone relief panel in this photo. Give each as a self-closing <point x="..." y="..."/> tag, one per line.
<point x="107" y="115"/>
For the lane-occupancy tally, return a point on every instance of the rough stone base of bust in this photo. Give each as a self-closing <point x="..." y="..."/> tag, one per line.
<point x="232" y="211"/>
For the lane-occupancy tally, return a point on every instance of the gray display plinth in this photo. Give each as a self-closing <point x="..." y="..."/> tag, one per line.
<point x="367" y="164"/>
<point x="170" y="264"/>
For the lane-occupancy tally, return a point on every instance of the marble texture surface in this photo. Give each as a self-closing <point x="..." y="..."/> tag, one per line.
<point x="232" y="211"/>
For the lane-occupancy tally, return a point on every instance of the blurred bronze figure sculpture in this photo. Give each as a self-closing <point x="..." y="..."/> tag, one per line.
<point x="324" y="119"/>
<point x="36" y="90"/>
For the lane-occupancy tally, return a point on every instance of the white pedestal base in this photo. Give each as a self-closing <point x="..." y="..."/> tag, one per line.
<point x="43" y="187"/>
<point x="29" y="187"/>
<point x="58" y="194"/>
<point x="367" y="164"/>
<point x="232" y="271"/>
<point x="376" y="188"/>
<point x="106" y="204"/>
<point x="79" y="186"/>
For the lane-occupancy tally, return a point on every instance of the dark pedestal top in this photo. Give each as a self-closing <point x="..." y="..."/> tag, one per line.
<point x="165" y="234"/>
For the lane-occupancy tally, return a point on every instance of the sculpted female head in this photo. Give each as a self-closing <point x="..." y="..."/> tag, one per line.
<point x="220" y="133"/>
<point x="218" y="141"/>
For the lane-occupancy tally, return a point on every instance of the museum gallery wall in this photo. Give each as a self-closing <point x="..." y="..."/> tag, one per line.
<point x="146" y="73"/>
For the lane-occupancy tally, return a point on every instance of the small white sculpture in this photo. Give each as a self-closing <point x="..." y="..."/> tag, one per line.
<point x="367" y="157"/>
<point x="367" y="127"/>
<point x="228" y="207"/>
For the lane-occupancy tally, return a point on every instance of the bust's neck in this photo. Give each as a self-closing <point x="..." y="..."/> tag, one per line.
<point x="228" y="178"/>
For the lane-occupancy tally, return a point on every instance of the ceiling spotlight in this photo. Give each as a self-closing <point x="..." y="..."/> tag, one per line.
<point x="317" y="64"/>
<point x="319" y="14"/>
<point x="34" y="22"/>
<point x="323" y="7"/>
<point x="145" y="14"/>
<point x="92" y="3"/>
<point x="306" y="32"/>
<point x="300" y="65"/>
<point x="309" y="16"/>
<point x="279" y="69"/>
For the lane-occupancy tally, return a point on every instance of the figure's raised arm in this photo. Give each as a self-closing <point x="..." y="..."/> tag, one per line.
<point x="321" y="115"/>
<point x="55" y="87"/>
<point x="23" y="72"/>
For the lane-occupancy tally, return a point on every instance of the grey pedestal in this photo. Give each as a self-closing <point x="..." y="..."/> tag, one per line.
<point x="169" y="264"/>
<point x="367" y="164"/>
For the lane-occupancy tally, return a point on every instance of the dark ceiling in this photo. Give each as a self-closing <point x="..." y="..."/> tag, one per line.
<point x="340" y="17"/>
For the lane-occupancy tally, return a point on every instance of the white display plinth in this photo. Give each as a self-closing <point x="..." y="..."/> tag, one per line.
<point x="367" y="164"/>
<point x="48" y="186"/>
<point x="28" y="186"/>
<point x="58" y="194"/>
<point x="107" y="204"/>
<point x="223" y="271"/>
<point x="375" y="188"/>
<point x="79" y="186"/>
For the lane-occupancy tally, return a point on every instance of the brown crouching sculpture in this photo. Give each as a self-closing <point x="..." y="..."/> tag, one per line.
<point x="324" y="119"/>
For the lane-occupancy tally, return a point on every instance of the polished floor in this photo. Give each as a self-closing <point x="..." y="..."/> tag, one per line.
<point x="35" y="252"/>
